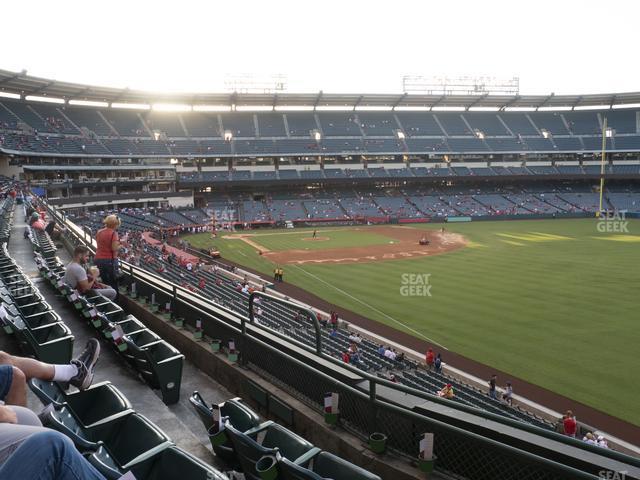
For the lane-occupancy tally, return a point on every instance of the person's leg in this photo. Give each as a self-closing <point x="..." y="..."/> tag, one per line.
<point x="109" y="293"/>
<point x="30" y="367"/>
<point x="48" y="455"/>
<point x="14" y="386"/>
<point x="79" y="372"/>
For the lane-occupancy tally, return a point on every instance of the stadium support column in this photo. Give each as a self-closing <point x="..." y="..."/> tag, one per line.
<point x="604" y="148"/>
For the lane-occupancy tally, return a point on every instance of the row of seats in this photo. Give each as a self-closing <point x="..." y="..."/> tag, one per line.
<point x="240" y="439"/>
<point x="107" y="122"/>
<point x="381" y="172"/>
<point x="38" y="329"/>
<point x="158" y="363"/>
<point x="113" y="437"/>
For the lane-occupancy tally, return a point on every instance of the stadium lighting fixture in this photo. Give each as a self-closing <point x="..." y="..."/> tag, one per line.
<point x="10" y="95"/>
<point x="609" y="132"/>
<point x="551" y="109"/>
<point x="36" y="98"/>
<point x="171" y="107"/>
<point x="131" y="106"/>
<point x="173" y="161"/>
<point x="370" y="108"/>
<point x="479" y="134"/>
<point x="254" y="108"/>
<point x="448" y="109"/>
<point x="156" y="135"/>
<point x="400" y="135"/>
<point x="334" y="108"/>
<point x="519" y="109"/>
<point x="545" y="133"/>
<point x="211" y="108"/>
<point x="316" y="135"/>
<point x="484" y="109"/>
<point x="411" y="109"/>
<point x="88" y="103"/>
<point x="592" y="107"/>
<point x="228" y="135"/>
<point x="293" y="108"/>
<point x="626" y="105"/>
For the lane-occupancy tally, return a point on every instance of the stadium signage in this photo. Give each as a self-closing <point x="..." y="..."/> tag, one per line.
<point x="415" y="285"/>
<point x="613" y="222"/>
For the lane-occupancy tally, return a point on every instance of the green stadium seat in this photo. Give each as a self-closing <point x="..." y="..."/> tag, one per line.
<point x="173" y="463"/>
<point x="276" y="440"/>
<point x="160" y="365"/>
<point x="324" y="465"/>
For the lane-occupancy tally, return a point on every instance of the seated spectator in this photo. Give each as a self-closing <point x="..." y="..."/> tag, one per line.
<point x="569" y="424"/>
<point x="15" y="371"/>
<point x="346" y="357"/>
<point x="93" y="277"/>
<point x="381" y="350"/>
<point x="446" y="391"/>
<point x="590" y="439"/>
<point x="76" y="276"/>
<point x="390" y="354"/>
<point x="508" y="394"/>
<point x="602" y="442"/>
<point x="333" y="332"/>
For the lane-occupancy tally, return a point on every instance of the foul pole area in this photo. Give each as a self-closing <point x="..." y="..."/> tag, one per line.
<point x="604" y="152"/>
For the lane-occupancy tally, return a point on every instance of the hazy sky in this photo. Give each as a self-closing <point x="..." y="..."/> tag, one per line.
<point x="561" y="46"/>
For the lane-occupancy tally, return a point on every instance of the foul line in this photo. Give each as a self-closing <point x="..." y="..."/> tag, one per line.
<point x="420" y="334"/>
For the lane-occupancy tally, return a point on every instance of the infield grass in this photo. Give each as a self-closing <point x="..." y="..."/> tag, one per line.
<point x="553" y="302"/>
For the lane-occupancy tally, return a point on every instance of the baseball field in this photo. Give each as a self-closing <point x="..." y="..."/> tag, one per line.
<point x="553" y="302"/>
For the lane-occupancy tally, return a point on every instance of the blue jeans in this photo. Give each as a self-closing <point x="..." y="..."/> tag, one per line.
<point x="48" y="456"/>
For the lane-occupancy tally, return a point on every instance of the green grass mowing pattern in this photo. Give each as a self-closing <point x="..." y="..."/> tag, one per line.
<point x="558" y="313"/>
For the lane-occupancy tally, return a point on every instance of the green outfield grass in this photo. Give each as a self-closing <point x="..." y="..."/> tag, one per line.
<point x="553" y="302"/>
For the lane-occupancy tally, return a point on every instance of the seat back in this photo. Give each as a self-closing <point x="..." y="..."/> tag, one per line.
<point x="135" y="436"/>
<point x="328" y="465"/>
<point x="291" y="445"/>
<point x="47" y="392"/>
<point x="287" y="470"/>
<point x="174" y="463"/>
<point x="204" y="412"/>
<point x="239" y="414"/>
<point x="248" y="451"/>
<point x="98" y="403"/>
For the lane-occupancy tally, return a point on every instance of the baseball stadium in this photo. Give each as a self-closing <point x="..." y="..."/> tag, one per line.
<point x="254" y="283"/>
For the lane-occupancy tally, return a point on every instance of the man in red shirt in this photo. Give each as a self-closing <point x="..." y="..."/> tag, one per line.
<point x="430" y="357"/>
<point x="569" y="423"/>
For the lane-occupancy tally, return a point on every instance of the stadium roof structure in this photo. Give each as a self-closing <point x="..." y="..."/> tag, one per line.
<point x="20" y="83"/>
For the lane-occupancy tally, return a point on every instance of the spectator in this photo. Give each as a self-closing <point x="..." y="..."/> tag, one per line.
<point x="108" y="245"/>
<point x="602" y="442"/>
<point x="42" y="453"/>
<point x="438" y="364"/>
<point x="346" y="357"/>
<point x="429" y="358"/>
<point x="569" y="424"/>
<point x="15" y="371"/>
<point x="390" y="354"/>
<point x="507" y="396"/>
<point x="590" y="439"/>
<point x="447" y="391"/>
<point x="76" y="276"/>
<point x="492" y="386"/>
<point x="381" y="350"/>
